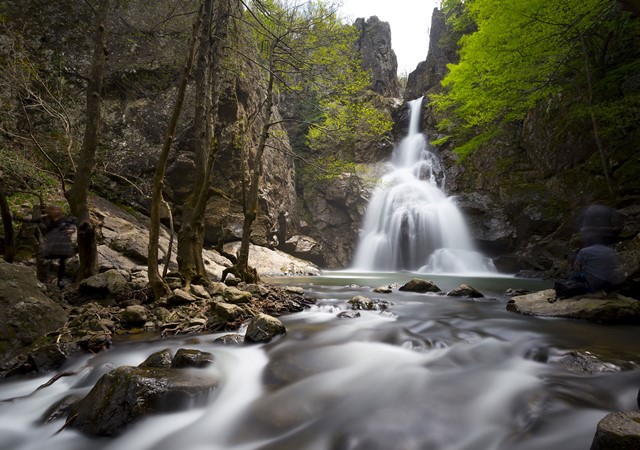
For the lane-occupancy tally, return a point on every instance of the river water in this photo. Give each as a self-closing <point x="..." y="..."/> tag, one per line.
<point x="430" y="372"/>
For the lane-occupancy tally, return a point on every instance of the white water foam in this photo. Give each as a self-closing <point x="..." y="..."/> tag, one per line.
<point x="410" y="223"/>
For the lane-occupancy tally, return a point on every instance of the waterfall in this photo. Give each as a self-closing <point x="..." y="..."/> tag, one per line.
<point x="410" y="224"/>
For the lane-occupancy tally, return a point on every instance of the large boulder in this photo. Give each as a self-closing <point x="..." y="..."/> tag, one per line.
<point x="596" y="308"/>
<point x="127" y="393"/>
<point x="270" y="262"/>
<point x="419" y="285"/>
<point x="618" y="431"/>
<point x="263" y="328"/>
<point x="304" y="247"/>
<point x="26" y="313"/>
<point x="111" y="282"/>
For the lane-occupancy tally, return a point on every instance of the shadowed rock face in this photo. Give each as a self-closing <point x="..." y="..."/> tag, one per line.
<point x="26" y="314"/>
<point x="146" y="54"/>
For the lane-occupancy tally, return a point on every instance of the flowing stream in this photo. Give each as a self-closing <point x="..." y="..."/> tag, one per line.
<point x="410" y="224"/>
<point x="429" y="372"/>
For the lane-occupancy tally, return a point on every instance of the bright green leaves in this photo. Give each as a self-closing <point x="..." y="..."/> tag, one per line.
<point x="520" y="53"/>
<point x="345" y="121"/>
<point x="313" y="58"/>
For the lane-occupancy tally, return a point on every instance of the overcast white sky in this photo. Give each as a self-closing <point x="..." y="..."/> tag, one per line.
<point x="410" y="21"/>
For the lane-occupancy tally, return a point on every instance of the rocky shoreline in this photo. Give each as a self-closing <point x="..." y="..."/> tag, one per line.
<point x="41" y="327"/>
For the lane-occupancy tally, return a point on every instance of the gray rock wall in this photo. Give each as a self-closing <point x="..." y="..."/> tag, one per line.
<point x="146" y="55"/>
<point x="374" y="44"/>
<point x="335" y="215"/>
<point x="429" y="73"/>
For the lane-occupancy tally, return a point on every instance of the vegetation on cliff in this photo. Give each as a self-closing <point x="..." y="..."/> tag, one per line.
<point x="514" y="56"/>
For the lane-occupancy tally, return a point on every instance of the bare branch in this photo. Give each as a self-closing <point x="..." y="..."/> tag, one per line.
<point x="42" y="150"/>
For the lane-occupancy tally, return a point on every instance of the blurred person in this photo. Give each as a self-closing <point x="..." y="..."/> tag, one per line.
<point x="57" y="230"/>
<point x="595" y="267"/>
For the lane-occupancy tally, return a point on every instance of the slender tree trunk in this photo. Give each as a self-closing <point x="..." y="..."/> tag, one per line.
<point x="7" y="224"/>
<point x="160" y="288"/>
<point x="208" y="85"/>
<point x="251" y="197"/>
<point x="187" y="236"/>
<point x="77" y="195"/>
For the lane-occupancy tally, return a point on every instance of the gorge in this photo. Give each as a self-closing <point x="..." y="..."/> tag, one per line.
<point x="482" y="354"/>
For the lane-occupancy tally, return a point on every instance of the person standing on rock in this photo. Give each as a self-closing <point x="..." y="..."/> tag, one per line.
<point x="57" y="244"/>
<point x="57" y="239"/>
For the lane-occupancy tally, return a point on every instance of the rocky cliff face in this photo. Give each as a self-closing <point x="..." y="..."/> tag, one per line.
<point x="147" y="47"/>
<point x="523" y="192"/>
<point x="333" y="208"/>
<point x="429" y="73"/>
<point x="374" y="44"/>
<point x="278" y="216"/>
<point x="334" y="213"/>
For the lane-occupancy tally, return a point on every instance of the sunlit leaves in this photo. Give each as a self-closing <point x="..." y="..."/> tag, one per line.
<point x="521" y="52"/>
<point x="312" y="56"/>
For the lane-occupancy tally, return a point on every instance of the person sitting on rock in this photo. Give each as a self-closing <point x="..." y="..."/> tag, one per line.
<point x="595" y="267"/>
<point x="598" y="268"/>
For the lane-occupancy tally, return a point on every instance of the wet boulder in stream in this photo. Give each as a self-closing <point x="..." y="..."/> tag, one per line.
<point x="618" y="431"/>
<point x="360" y="302"/>
<point x="128" y="393"/>
<point x="596" y="307"/>
<point x="464" y="290"/>
<point x="263" y="328"/>
<point x="418" y="285"/>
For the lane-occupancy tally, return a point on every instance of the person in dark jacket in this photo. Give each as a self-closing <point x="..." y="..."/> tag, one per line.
<point x="57" y="231"/>
<point x="595" y="267"/>
<point x="598" y="267"/>
<point x="57" y="239"/>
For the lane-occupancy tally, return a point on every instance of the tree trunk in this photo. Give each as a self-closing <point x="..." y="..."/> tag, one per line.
<point x="7" y="224"/>
<point x="208" y="85"/>
<point x="160" y="288"/>
<point x="251" y="198"/>
<point x="77" y="195"/>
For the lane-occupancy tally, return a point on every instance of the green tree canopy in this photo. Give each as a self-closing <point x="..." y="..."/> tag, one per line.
<point x="314" y="57"/>
<point x="522" y="51"/>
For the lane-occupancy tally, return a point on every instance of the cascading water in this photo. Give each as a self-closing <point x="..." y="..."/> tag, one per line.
<point x="410" y="224"/>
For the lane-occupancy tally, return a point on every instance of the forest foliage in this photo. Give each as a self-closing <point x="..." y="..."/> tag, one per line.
<point x="516" y="54"/>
